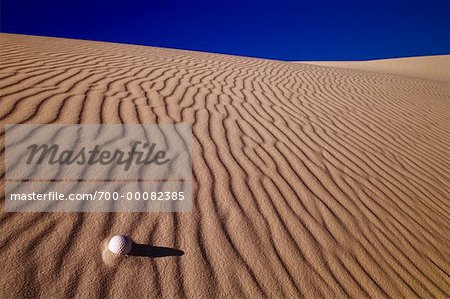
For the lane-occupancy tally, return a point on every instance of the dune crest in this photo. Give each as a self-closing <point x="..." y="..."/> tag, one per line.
<point x="308" y="181"/>
<point x="434" y="68"/>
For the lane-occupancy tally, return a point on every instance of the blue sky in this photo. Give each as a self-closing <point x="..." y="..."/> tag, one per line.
<point x="285" y="30"/>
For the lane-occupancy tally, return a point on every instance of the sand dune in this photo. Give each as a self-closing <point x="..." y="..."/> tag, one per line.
<point x="434" y="68"/>
<point x="309" y="181"/>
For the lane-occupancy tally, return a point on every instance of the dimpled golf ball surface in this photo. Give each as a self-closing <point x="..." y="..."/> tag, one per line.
<point x="120" y="245"/>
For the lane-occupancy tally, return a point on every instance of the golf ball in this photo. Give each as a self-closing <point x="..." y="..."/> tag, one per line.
<point x="120" y="245"/>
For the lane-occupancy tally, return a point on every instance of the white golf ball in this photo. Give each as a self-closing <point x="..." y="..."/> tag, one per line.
<point x="120" y="245"/>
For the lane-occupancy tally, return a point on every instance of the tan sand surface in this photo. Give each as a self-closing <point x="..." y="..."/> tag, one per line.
<point x="309" y="181"/>
<point x="435" y="68"/>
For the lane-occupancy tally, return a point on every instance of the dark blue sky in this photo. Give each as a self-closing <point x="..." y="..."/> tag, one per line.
<point x="286" y="30"/>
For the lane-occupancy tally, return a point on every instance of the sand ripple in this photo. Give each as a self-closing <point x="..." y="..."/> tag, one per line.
<point x="309" y="181"/>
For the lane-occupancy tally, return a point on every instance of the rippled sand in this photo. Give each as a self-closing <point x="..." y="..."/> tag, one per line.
<point x="309" y="180"/>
